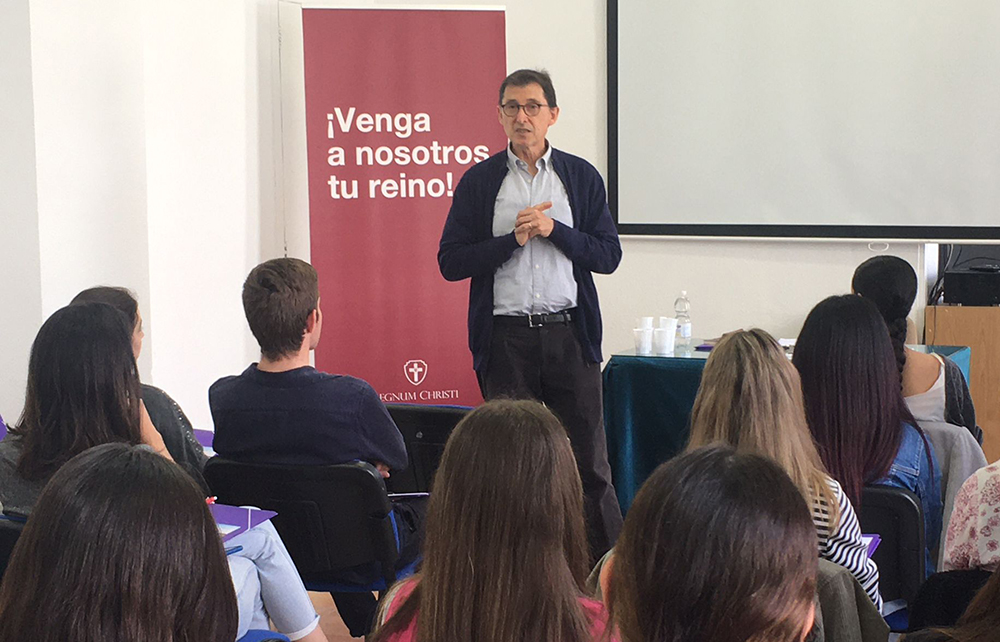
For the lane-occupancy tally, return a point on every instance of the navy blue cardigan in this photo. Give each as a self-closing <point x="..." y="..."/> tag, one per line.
<point x="468" y="248"/>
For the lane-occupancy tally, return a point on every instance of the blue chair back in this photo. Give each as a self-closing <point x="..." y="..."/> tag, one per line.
<point x="255" y="635"/>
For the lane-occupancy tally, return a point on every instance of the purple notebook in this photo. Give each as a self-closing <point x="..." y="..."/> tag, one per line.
<point x="873" y="541"/>
<point x="204" y="437"/>
<point x="233" y="520"/>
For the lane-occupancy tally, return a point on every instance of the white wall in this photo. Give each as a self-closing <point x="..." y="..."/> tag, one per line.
<point x="204" y="190"/>
<point x="20" y="281"/>
<point x="732" y="284"/>
<point x="90" y="148"/>
<point x="137" y="122"/>
<point x="73" y="175"/>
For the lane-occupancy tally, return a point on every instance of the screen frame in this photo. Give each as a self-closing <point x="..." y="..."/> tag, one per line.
<point x="907" y="232"/>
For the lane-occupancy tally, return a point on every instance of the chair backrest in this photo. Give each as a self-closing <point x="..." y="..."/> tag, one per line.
<point x="10" y="531"/>
<point x="896" y="516"/>
<point x="331" y="518"/>
<point x="425" y="431"/>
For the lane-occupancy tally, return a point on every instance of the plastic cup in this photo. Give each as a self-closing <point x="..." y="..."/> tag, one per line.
<point x="644" y="323"/>
<point x="643" y="340"/>
<point x="663" y="339"/>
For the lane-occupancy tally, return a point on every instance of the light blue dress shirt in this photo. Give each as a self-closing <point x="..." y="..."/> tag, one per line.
<point x="538" y="277"/>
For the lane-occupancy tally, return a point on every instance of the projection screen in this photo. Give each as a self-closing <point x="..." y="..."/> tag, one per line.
<point x="858" y="118"/>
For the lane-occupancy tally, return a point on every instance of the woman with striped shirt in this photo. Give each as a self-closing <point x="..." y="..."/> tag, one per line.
<point x="751" y="399"/>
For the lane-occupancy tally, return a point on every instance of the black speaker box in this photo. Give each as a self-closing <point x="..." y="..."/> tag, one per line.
<point x="979" y="285"/>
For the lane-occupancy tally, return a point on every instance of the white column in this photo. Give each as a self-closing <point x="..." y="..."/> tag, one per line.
<point x="87" y="73"/>
<point x="20" y="281"/>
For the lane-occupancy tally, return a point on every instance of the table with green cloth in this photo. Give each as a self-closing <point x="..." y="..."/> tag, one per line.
<point x="647" y="409"/>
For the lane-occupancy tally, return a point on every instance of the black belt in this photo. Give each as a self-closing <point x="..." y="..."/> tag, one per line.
<point x="535" y="320"/>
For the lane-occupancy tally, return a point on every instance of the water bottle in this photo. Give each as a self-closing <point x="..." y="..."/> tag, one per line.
<point x="682" y="310"/>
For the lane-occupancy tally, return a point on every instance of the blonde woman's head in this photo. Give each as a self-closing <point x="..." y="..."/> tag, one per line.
<point x="750" y="398"/>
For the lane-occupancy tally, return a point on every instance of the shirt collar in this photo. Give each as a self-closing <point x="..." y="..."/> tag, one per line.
<point x="292" y="377"/>
<point x="542" y="163"/>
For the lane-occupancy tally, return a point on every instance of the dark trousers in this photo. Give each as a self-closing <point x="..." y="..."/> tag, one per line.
<point x="546" y="363"/>
<point x="357" y="610"/>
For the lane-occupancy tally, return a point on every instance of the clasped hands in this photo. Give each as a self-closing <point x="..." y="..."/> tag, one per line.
<point x="532" y="222"/>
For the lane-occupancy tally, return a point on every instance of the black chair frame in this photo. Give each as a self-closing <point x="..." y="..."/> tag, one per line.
<point x="425" y="431"/>
<point x="332" y="519"/>
<point x="10" y="531"/>
<point x="895" y="514"/>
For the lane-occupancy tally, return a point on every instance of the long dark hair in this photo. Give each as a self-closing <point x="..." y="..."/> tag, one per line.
<point x="891" y="284"/>
<point x="83" y="388"/>
<point x="120" y="546"/>
<point x="717" y="547"/>
<point x="505" y="555"/>
<point x="850" y="383"/>
<point x="120" y="298"/>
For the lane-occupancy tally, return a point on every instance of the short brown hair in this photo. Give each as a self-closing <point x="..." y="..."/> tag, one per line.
<point x="278" y="297"/>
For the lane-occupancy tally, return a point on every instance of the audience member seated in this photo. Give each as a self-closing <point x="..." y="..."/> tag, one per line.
<point x="971" y="552"/>
<point x="973" y="538"/>
<point x="750" y="398"/>
<point x="959" y="456"/>
<point x="506" y="552"/>
<point x="844" y="612"/>
<point x="81" y="385"/>
<point x="855" y="409"/>
<point x="83" y="390"/>
<point x="979" y="623"/>
<point x="165" y="413"/>
<point x="284" y="411"/>
<point x="934" y="386"/>
<point x="716" y="546"/>
<point x="120" y="546"/>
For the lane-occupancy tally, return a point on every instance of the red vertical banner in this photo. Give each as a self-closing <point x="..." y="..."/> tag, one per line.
<point x="399" y="103"/>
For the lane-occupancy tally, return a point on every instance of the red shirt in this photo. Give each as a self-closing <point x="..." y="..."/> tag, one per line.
<point x="593" y="609"/>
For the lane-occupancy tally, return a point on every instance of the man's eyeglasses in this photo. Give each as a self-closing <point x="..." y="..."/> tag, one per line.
<point x="531" y="109"/>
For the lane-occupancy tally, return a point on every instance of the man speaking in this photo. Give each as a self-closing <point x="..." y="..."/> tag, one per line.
<point x="528" y="226"/>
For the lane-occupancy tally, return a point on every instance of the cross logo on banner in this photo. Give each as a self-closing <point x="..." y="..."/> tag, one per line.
<point x="415" y="371"/>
